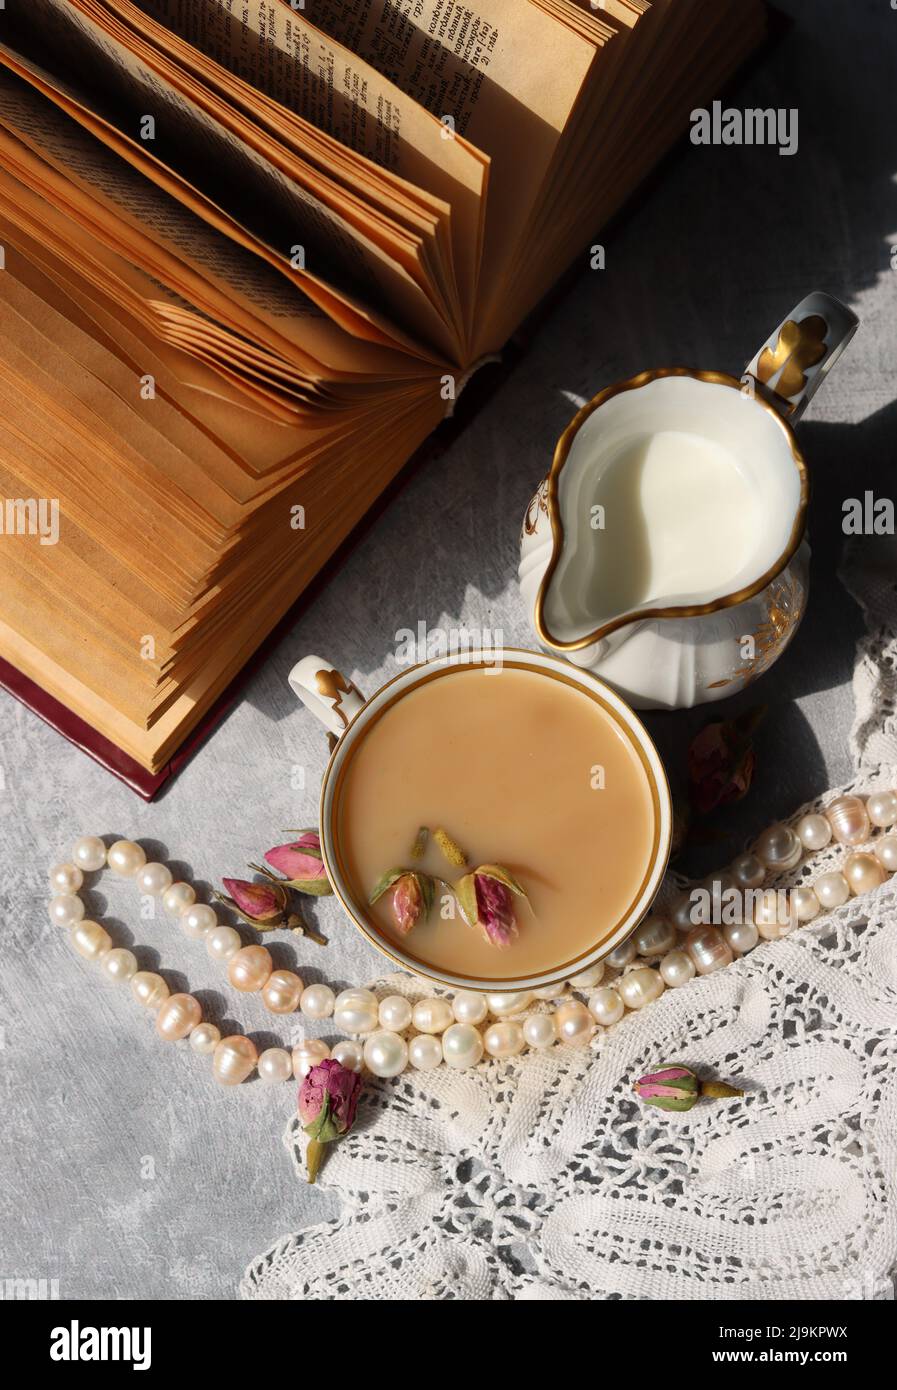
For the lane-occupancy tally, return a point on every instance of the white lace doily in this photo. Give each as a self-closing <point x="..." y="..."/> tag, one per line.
<point x="542" y="1178"/>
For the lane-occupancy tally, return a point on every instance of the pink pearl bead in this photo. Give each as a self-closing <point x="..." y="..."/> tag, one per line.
<point x="708" y="949"/>
<point x="281" y="992"/>
<point x="863" y="872"/>
<point x="178" y="1016"/>
<point x="250" y="968"/>
<point x="849" y="820"/>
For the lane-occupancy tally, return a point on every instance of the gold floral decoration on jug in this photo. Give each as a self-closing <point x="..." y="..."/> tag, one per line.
<point x="784" y="609"/>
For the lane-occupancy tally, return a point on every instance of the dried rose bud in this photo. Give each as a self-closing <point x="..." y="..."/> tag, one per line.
<point x="412" y="896"/>
<point x="301" y="863"/>
<point x="264" y="905"/>
<point x="486" y="900"/>
<point x="721" y="762"/>
<point x="328" y="1099"/>
<point x="678" y="1088"/>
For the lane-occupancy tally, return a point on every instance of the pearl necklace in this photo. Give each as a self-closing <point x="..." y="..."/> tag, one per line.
<point x="448" y="1028"/>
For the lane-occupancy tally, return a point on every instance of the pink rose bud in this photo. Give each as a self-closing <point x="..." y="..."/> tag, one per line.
<point x="260" y="901"/>
<point x="328" y="1099"/>
<point x="486" y="898"/>
<point x="301" y="863"/>
<point x="721" y="762"/>
<point x="412" y="896"/>
<point x="678" y="1088"/>
<point x="264" y="905"/>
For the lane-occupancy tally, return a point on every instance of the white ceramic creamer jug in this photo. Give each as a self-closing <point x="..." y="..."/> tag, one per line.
<point x="665" y="550"/>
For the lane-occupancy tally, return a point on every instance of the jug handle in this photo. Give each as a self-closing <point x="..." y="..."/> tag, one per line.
<point x="329" y="695"/>
<point x="795" y="359"/>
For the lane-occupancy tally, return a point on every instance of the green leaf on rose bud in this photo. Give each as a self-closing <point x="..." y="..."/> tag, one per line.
<point x="427" y="891"/>
<point x="466" y="893"/>
<point x="388" y="879"/>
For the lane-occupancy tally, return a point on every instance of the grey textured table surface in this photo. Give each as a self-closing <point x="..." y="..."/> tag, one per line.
<point x="126" y="1172"/>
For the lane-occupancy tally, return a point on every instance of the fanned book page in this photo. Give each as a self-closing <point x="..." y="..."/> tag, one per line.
<point x="251" y="255"/>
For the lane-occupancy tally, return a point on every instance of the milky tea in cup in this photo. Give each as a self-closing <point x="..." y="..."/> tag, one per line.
<point x="532" y="766"/>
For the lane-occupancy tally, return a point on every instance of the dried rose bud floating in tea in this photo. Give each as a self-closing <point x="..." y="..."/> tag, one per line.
<point x="525" y="772"/>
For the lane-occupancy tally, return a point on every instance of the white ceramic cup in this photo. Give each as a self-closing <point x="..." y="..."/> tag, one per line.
<point x="346" y="715"/>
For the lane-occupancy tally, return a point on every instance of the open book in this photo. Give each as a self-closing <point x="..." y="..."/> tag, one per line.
<point x="252" y="251"/>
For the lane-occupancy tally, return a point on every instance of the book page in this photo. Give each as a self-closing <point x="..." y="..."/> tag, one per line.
<point x="484" y="66"/>
<point x="278" y="51"/>
<point x="104" y="76"/>
<point x="253" y="293"/>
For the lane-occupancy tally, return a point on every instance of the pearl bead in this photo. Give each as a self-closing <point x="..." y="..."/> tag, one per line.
<point x="425" y="1051"/>
<point x="708" y="949"/>
<point x="741" y="936"/>
<point x="779" y="848"/>
<point x="623" y="955"/>
<point x="719" y="883"/>
<point x="677" y="968"/>
<point x="65" y="910"/>
<point x="250" y="968"/>
<point x="462" y="1046"/>
<point x="881" y="808"/>
<point x="510" y="1002"/>
<point x="350" y="1054"/>
<point x="640" y="987"/>
<point x="654" y="936"/>
<point x="772" y="916"/>
<point x="178" y="897"/>
<point x="125" y="858"/>
<point x="282" y="991"/>
<point x="66" y="878"/>
<point x="747" y="871"/>
<point x="469" y="1007"/>
<point x="395" y="1013"/>
<point x="153" y="879"/>
<point x="504" y="1039"/>
<point x="606" y="1006"/>
<point x="119" y="964"/>
<point x="588" y="979"/>
<point x="680" y="914"/>
<point x="89" y="853"/>
<point x="886" y="852"/>
<point x="849" y="821"/>
<point x="804" y="904"/>
<point x="222" y="943"/>
<point x="356" y="1011"/>
<point x="316" y="1001"/>
<point x="90" y="940"/>
<point x="197" y="920"/>
<point x="813" y="831"/>
<point x="205" y="1038"/>
<point x="574" y="1023"/>
<point x="178" y="1016"/>
<point x="540" y="1030"/>
<point x="432" y="1015"/>
<point x="308" y="1054"/>
<point x="275" y="1064"/>
<point x="234" y="1059"/>
<point x="550" y="991"/>
<point x="863" y="872"/>
<point x="832" y="889"/>
<point x="149" y="989"/>
<point x="385" y="1054"/>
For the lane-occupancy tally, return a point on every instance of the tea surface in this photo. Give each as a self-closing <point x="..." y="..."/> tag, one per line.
<point x="504" y="761"/>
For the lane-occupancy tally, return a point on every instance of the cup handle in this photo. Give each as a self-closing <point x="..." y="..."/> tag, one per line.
<point x="795" y="359"/>
<point x="326" y="692"/>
